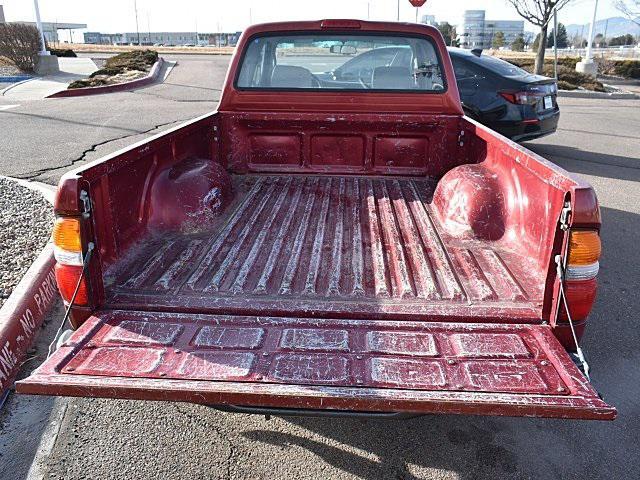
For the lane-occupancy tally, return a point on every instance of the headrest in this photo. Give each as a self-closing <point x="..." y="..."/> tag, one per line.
<point x="290" y="76"/>
<point x="396" y="78"/>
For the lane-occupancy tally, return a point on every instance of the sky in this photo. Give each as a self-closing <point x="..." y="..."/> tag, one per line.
<point x="234" y="15"/>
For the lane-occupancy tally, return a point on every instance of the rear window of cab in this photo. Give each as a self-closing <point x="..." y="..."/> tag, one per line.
<point x="343" y="62"/>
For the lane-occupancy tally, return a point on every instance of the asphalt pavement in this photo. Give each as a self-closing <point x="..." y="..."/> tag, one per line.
<point x="598" y="139"/>
<point x="42" y="139"/>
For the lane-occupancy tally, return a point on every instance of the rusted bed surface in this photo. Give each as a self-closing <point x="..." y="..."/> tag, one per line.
<point x="352" y="246"/>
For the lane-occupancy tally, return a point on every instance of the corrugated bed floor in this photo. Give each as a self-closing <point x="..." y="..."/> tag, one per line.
<point x="328" y="245"/>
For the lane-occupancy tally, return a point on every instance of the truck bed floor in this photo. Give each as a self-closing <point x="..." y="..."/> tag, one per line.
<point x="322" y="246"/>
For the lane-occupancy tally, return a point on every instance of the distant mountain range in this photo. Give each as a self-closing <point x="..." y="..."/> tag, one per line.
<point x="614" y="26"/>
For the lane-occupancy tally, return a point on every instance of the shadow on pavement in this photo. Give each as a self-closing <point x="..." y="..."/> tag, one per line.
<point x="24" y="418"/>
<point x="590" y="163"/>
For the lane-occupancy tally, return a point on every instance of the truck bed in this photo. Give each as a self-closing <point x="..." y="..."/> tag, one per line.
<point x="358" y="247"/>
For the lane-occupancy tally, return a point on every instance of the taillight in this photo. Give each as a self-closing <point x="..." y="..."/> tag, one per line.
<point x="580" y="273"/>
<point x="67" y="277"/>
<point x="520" y="98"/>
<point x="584" y="247"/>
<point x="67" y="245"/>
<point x="67" y="249"/>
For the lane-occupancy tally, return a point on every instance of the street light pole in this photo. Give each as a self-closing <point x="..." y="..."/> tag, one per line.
<point x="43" y="49"/>
<point x="398" y="11"/>
<point x="587" y="65"/>
<point x="555" y="43"/>
<point x="135" y="7"/>
<point x="591" y="33"/>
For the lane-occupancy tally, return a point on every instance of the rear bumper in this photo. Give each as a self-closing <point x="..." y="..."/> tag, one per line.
<point x="522" y="130"/>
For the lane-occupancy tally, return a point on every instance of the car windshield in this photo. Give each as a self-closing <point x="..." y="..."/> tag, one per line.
<point x="502" y="67"/>
<point x="341" y="62"/>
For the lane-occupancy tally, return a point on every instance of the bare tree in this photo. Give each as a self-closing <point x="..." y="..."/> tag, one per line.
<point x="539" y="13"/>
<point x="630" y="8"/>
<point x="20" y="43"/>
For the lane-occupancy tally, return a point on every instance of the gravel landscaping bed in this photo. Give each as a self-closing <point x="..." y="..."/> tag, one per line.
<point x="26" y="219"/>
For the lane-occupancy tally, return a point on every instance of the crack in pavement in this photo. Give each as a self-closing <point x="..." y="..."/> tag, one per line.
<point x="176" y="100"/>
<point x="223" y="437"/>
<point x="36" y="173"/>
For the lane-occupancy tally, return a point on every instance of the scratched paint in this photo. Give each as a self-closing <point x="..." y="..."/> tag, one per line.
<point x="329" y="241"/>
<point x="296" y="362"/>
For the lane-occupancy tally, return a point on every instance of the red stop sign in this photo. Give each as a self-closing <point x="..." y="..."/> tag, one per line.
<point x="417" y="3"/>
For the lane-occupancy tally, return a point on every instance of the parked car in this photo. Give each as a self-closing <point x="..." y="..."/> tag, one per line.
<point x="329" y="244"/>
<point x="504" y="97"/>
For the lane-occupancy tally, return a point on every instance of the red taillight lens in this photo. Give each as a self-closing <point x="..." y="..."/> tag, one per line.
<point x="580" y="298"/>
<point x="580" y="283"/>
<point x="520" y="98"/>
<point x="67" y="277"/>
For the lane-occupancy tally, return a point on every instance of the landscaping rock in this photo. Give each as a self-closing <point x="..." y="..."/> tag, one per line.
<point x="26" y="219"/>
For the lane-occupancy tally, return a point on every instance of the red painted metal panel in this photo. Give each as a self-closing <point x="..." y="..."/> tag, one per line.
<point x="366" y="365"/>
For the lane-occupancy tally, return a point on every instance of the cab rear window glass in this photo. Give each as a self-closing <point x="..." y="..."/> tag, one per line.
<point x="332" y="61"/>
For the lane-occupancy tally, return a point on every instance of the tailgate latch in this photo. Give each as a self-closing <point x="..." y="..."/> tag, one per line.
<point x="86" y="204"/>
<point x="564" y="216"/>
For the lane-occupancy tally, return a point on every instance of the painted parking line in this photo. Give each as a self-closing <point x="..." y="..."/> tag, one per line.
<point x="7" y="107"/>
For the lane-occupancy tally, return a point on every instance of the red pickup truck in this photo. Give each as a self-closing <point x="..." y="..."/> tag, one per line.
<point x="336" y="238"/>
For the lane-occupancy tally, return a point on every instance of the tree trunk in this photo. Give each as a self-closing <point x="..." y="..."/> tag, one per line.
<point x="542" y="46"/>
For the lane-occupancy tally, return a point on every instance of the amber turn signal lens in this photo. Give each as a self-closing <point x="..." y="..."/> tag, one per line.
<point x="67" y="277"/>
<point x="66" y="234"/>
<point x="584" y="247"/>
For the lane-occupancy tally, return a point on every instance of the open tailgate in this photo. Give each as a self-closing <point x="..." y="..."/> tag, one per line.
<point x="367" y="366"/>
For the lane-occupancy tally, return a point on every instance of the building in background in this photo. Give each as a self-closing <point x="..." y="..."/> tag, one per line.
<point x="97" y="38"/>
<point x="429" y="20"/>
<point x="50" y="29"/>
<point x="478" y="32"/>
<point x="163" y="38"/>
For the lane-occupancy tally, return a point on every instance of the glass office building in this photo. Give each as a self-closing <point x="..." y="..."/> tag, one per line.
<point x="478" y="32"/>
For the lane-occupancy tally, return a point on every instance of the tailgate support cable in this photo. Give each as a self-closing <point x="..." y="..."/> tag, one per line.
<point x="85" y="263"/>
<point x="561" y="265"/>
<point x="561" y="275"/>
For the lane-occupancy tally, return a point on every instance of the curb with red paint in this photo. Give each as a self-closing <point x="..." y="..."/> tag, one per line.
<point x="119" y="87"/>
<point x="23" y="313"/>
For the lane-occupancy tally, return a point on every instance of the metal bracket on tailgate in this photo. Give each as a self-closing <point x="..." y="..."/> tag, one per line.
<point x="86" y="204"/>
<point x="564" y="217"/>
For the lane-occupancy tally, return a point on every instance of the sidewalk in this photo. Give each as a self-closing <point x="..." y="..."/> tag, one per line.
<point x="40" y="87"/>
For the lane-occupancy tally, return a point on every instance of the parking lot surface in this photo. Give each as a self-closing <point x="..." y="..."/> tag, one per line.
<point x="125" y="439"/>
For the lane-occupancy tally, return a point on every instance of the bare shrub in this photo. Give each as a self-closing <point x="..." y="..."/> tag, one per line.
<point x="20" y="43"/>
<point x="606" y="66"/>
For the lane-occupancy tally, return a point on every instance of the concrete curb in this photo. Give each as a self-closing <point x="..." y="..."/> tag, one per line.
<point x="23" y="313"/>
<point x="46" y="190"/>
<point x="140" y="82"/>
<point x="48" y="440"/>
<point x="600" y="95"/>
<point x="5" y="90"/>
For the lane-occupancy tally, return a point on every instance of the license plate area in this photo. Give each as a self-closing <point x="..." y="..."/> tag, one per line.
<point x="548" y="102"/>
